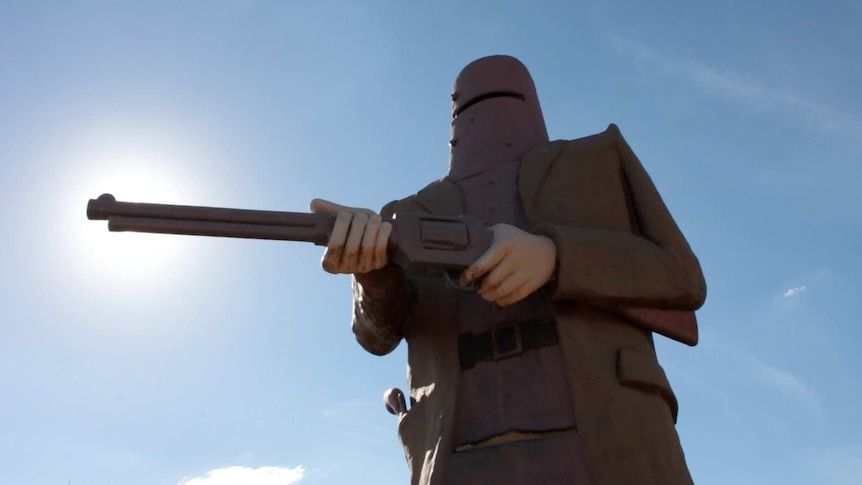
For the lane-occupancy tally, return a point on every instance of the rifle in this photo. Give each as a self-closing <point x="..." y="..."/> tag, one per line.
<point x="421" y="244"/>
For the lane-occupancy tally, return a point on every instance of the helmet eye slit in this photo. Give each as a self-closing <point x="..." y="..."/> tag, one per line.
<point x="483" y="97"/>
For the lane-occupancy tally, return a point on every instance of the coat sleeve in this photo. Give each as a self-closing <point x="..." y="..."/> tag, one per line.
<point x="380" y="305"/>
<point x="650" y="265"/>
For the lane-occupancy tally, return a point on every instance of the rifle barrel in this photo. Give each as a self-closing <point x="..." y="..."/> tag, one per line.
<point x="211" y="221"/>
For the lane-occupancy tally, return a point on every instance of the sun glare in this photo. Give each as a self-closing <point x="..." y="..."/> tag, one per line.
<point x="127" y="252"/>
<point x="135" y="165"/>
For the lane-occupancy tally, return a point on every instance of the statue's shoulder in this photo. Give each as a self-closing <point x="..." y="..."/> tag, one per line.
<point x="552" y="155"/>
<point x="551" y="172"/>
<point x="439" y="197"/>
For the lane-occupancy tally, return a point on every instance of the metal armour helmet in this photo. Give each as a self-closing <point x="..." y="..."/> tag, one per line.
<point x="496" y="116"/>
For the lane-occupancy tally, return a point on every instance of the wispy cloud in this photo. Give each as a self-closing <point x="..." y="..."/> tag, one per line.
<point x="839" y="466"/>
<point x="238" y="475"/>
<point x="351" y="420"/>
<point x="348" y="407"/>
<point x="736" y="86"/>
<point x="793" y="291"/>
<point x="789" y="386"/>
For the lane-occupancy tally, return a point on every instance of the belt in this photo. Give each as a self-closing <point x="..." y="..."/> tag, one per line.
<point x="504" y="342"/>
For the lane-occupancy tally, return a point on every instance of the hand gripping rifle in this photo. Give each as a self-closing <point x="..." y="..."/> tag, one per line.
<point x="421" y="244"/>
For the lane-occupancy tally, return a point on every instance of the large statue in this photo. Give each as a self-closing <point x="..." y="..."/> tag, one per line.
<point x="543" y="375"/>
<point x="546" y="372"/>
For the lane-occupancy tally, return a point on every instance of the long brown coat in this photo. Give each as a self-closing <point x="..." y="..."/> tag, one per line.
<point x="617" y="246"/>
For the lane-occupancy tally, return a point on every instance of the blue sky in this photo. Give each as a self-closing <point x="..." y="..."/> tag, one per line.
<point x="141" y="359"/>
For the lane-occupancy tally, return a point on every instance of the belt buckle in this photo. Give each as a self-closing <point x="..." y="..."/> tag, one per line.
<point x="506" y="342"/>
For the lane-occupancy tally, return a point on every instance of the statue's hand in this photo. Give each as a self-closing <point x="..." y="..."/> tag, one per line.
<point x="358" y="240"/>
<point x="517" y="264"/>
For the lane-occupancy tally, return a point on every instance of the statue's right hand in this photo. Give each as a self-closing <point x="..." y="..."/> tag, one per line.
<point x="358" y="241"/>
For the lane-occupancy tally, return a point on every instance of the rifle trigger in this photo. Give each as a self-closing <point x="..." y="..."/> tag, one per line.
<point x="453" y="283"/>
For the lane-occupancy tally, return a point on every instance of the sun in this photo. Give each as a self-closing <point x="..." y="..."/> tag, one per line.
<point x="135" y="165"/>
<point x="125" y="253"/>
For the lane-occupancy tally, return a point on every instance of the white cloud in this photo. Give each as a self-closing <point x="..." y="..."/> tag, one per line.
<point x="239" y="475"/>
<point x="794" y="291"/>
<point x="735" y="86"/>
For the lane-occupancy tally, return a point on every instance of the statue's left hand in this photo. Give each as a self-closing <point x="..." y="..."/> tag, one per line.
<point x="517" y="264"/>
<point x="358" y="241"/>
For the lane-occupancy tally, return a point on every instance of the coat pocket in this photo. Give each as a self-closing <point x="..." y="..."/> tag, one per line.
<point x="641" y="371"/>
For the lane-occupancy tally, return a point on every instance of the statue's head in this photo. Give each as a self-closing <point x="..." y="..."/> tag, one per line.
<point x="496" y="116"/>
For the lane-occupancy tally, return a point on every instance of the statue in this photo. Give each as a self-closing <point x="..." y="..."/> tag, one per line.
<point x="544" y="369"/>
<point x="547" y="373"/>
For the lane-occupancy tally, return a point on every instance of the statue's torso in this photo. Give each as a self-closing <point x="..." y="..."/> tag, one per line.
<point x="515" y="415"/>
